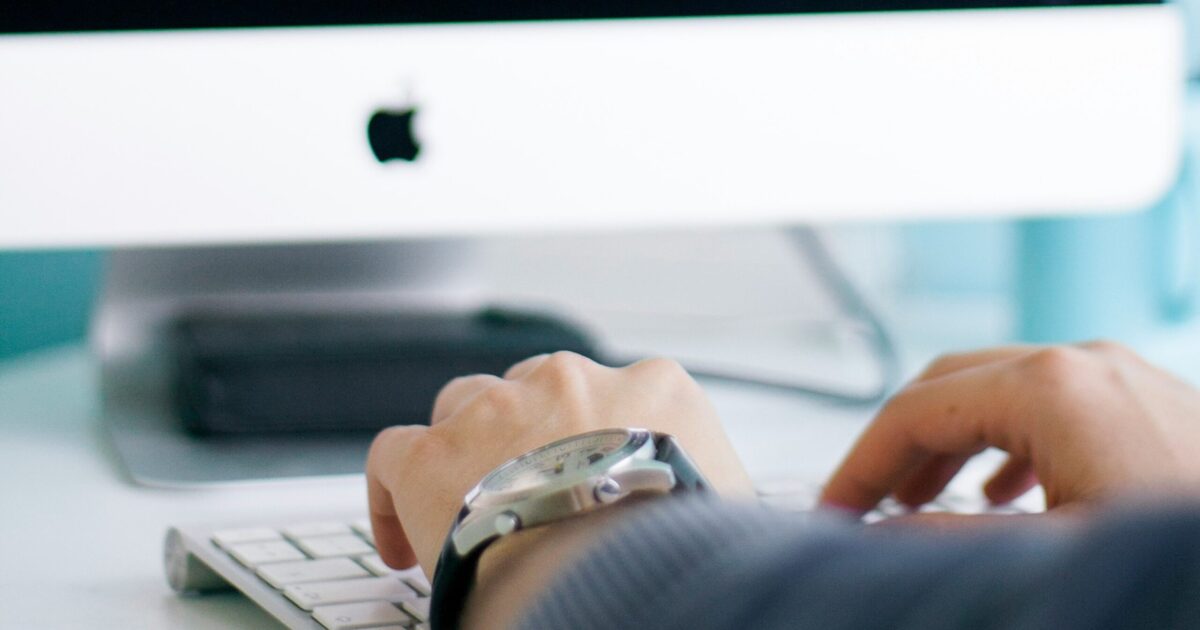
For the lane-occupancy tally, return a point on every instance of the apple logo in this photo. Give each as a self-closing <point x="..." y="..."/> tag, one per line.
<point x="391" y="137"/>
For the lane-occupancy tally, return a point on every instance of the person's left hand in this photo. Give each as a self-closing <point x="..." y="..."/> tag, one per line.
<point x="418" y="476"/>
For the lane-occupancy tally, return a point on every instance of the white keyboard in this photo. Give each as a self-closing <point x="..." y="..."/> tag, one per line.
<point x="307" y="574"/>
<point x="326" y="574"/>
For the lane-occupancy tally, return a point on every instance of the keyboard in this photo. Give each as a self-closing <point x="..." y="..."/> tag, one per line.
<point x="325" y="573"/>
<point x="795" y="495"/>
<point x="308" y="574"/>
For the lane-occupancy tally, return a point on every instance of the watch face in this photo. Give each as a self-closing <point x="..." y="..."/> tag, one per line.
<point x="563" y="461"/>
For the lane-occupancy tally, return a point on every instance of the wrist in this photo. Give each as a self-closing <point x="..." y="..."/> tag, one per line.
<point x="515" y="569"/>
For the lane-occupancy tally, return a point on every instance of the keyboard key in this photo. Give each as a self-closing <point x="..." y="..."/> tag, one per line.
<point x="227" y="537"/>
<point x="961" y="503"/>
<point x="333" y="546"/>
<point x="934" y="507"/>
<point x="256" y="553"/>
<point x="874" y="516"/>
<point x="306" y="530"/>
<point x="361" y="615"/>
<point x="788" y="503"/>
<point x="375" y="565"/>
<point x="418" y="608"/>
<point x="280" y="574"/>
<point x="415" y="578"/>
<point x="788" y="487"/>
<point x="313" y="594"/>
<point x="363" y="527"/>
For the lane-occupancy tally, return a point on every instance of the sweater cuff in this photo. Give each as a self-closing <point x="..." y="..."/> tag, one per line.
<point x="642" y="562"/>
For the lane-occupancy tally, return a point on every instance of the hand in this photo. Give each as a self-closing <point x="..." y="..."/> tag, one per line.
<point x="417" y="476"/>
<point x="1088" y="421"/>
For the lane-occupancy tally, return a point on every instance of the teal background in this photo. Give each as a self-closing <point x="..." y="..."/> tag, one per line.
<point x="45" y="298"/>
<point x="960" y="257"/>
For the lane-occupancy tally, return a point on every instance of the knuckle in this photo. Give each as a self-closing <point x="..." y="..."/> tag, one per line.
<point x="389" y="444"/>
<point x="1108" y="348"/>
<point x="562" y="369"/>
<point x="662" y="369"/>
<point x="1058" y="364"/>
<point x="948" y="359"/>
<point x="523" y="365"/>
<point x="564" y="361"/>
<point x="457" y="385"/>
<point x="893" y="409"/>
<point x="660" y="365"/>
<point x="386" y="438"/>
<point x="943" y="363"/>
<point x="452" y="385"/>
<point x="500" y="397"/>
<point x="419" y="452"/>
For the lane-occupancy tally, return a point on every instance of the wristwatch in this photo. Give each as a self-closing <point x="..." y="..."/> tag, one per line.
<point x="562" y="479"/>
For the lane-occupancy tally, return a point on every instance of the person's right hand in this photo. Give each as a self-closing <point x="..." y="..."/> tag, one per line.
<point x="1088" y="421"/>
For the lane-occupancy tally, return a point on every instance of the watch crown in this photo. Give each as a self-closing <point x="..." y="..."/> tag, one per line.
<point x="608" y="491"/>
<point x="506" y="523"/>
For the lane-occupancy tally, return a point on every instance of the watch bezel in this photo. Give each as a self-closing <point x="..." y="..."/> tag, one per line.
<point x="480" y="496"/>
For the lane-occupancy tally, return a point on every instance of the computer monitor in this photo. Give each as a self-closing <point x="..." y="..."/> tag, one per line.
<point x="281" y="132"/>
<point x="141" y="123"/>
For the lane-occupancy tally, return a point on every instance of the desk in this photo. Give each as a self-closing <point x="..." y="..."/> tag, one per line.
<point x="81" y="547"/>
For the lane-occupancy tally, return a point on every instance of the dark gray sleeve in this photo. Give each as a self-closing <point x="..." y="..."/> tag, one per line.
<point x="701" y="565"/>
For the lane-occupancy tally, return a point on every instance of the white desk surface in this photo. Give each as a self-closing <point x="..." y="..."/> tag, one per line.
<point x="81" y="547"/>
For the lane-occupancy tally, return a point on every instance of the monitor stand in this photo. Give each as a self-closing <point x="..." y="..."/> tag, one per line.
<point x="145" y="289"/>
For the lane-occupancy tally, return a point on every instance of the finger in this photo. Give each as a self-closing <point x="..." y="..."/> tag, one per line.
<point x="1013" y="479"/>
<point x="951" y="363"/>
<point x="524" y="367"/>
<point x="390" y="540"/>
<point x="929" y="479"/>
<point x="958" y="414"/>
<point x="458" y="391"/>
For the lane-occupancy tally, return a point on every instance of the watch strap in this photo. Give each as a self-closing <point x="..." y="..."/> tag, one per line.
<point x="453" y="578"/>
<point x="687" y="474"/>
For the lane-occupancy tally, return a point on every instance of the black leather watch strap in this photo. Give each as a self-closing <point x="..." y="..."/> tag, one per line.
<point x="687" y="475"/>
<point x="453" y="578"/>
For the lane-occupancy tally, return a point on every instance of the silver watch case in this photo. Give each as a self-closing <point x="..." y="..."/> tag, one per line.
<point x="492" y="515"/>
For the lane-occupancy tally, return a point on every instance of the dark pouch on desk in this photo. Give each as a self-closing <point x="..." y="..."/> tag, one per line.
<point x="276" y="373"/>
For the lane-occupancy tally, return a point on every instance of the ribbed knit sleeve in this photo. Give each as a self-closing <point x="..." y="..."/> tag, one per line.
<point x="649" y="565"/>
<point x="704" y="565"/>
